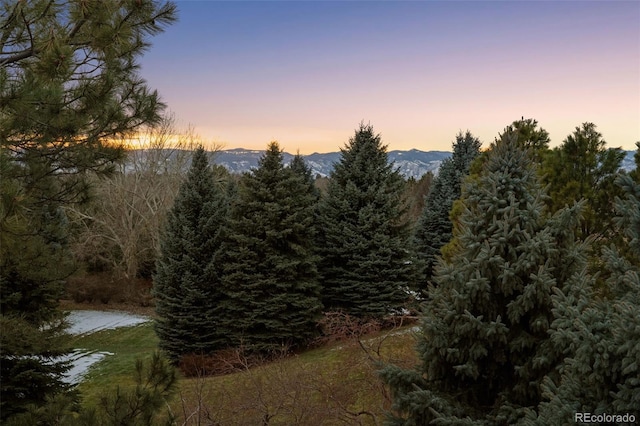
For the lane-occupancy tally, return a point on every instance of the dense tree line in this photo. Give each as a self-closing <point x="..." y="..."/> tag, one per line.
<point x="359" y="233"/>
<point x="484" y="334"/>
<point x="596" y="332"/>
<point x="508" y="305"/>
<point x="266" y="271"/>
<point x="517" y="329"/>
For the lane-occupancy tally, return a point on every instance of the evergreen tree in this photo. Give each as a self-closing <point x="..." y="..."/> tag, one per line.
<point x="187" y="279"/>
<point x="363" y="242"/>
<point x="434" y="228"/>
<point x="30" y="362"/>
<point x="582" y="168"/>
<point x="145" y="404"/>
<point x="530" y="137"/>
<point x="299" y="166"/>
<point x="270" y="273"/>
<point x="484" y="345"/>
<point x="34" y="261"/>
<point x="68" y="86"/>
<point x="599" y="333"/>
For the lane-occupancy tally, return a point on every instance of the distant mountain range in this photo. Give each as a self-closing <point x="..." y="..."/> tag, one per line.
<point x="413" y="163"/>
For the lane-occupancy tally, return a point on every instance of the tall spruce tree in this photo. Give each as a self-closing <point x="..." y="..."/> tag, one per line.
<point x="529" y="137"/>
<point x="434" y="228"/>
<point x="484" y="347"/>
<point x="69" y="86"/>
<point x="270" y="274"/>
<point x="299" y="166"/>
<point x="186" y="283"/>
<point x="363" y="242"/>
<point x="598" y="332"/>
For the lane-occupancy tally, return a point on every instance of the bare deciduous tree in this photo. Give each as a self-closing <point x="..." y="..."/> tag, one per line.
<point x="120" y="230"/>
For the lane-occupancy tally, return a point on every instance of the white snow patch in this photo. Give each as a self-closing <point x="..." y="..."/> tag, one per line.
<point x="82" y="322"/>
<point x="81" y="360"/>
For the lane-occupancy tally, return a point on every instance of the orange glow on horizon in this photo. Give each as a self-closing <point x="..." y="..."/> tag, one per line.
<point x="156" y="139"/>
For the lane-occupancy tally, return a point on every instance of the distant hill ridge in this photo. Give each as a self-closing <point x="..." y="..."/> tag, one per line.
<point x="412" y="163"/>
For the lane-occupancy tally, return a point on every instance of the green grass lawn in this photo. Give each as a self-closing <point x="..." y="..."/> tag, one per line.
<point x="126" y="344"/>
<point x="333" y="384"/>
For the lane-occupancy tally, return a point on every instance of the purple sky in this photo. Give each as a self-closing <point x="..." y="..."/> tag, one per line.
<point x="307" y="73"/>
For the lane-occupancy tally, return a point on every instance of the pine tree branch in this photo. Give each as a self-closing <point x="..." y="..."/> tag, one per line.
<point x="17" y="57"/>
<point x="76" y="28"/>
<point x="25" y="53"/>
<point x="6" y="27"/>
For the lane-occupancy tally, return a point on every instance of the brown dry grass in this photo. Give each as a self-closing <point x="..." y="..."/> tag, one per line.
<point x="336" y="384"/>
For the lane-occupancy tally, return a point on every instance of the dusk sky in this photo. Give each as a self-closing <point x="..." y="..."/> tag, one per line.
<point x="307" y="73"/>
